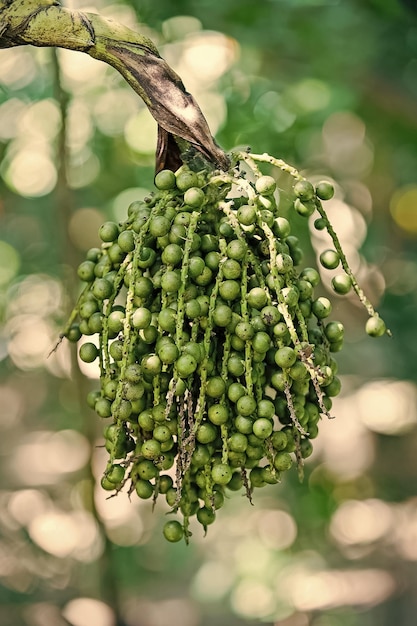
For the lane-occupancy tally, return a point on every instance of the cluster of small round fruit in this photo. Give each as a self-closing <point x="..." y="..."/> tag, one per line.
<point x="216" y="357"/>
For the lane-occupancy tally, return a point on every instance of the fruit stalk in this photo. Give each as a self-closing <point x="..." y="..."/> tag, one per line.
<point x="181" y="124"/>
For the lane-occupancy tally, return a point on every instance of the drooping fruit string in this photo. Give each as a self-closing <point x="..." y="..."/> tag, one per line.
<point x="215" y="357"/>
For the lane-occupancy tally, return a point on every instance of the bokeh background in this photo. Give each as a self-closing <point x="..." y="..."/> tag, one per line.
<point x="331" y="87"/>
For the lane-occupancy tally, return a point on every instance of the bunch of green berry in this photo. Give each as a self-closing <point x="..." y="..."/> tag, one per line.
<point x="216" y="357"/>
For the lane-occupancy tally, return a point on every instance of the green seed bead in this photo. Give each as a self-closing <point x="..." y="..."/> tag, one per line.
<point x="88" y="352"/>
<point x="257" y="298"/>
<point x="221" y="474"/>
<point x="74" y="334"/>
<point x="262" y="428"/>
<point x="115" y="321"/>
<point x="270" y="315"/>
<point x="206" y="516"/>
<point x="165" y="180"/>
<point x="168" y="353"/>
<point x="193" y="309"/>
<point x="311" y="275"/>
<point x="342" y="284"/>
<point x="321" y="307"/>
<point x="236" y="250"/>
<point x="200" y="456"/>
<point x="375" y="327"/>
<point x="172" y="254"/>
<point x="85" y="271"/>
<point x="329" y="259"/>
<point x="196" y="266"/>
<point x="215" y="387"/>
<point x="146" y="470"/>
<point x="283" y="461"/>
<point x="122" y="411"/>
<point x="305" y="208"/>
<point x="279" y="440"/>
<point x="285" y="357"/>
<point x="265" y="185"/>
<point x="171" y="281"/>
<point x="151" y="364"/>
<point x="194" y="197"/>
<point x="206" y="433"/>
<point x="162" y="433"/>
<point x="109" y="231"/>
<point x="103" y="407"/>
<point x="261" y="342"/>
<point x="102" y="289"/>
<point x="173" y="531"/>
<point x="320" y="223"/>
<point x="334" y="331"/>
<point x="246" y="215"/>
<point x="186" y="179"/>
<point x="116" y="473"/>
<point x="244" y="330"/>
<point x="229" y="290"/>
<point x="324" y="190"/>
<point x="304" y="190"/>
<point x="186" y="365"/>
<point x="144" y="489"/>
<point x="284" y="263"/>
<point x="238" y="442"/>
<point x="218" y="414"/>
<point x="151" y="449"/>
<point x="256" y="477"/>
<point x="165" y="483"/>
<point x="266" y="408"/>
<point x="281" y="227"/>
<point x="146" y="421"/>
<point x="222" y="315"/>
<point x="246" y="405"/>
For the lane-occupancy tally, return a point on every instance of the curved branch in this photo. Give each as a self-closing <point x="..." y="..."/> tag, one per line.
<point x="46" y="23"/>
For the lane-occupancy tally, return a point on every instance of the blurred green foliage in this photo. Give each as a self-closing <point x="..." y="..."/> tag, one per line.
<point x="331" y="87"/>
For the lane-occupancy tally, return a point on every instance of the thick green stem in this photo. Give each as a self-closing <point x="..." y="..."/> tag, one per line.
<point x="46" y="23"/>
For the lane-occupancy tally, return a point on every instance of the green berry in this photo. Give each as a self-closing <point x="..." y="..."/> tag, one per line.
<point x="262" y="428"/>
<point x="320" y="223"/>
<point x="144" y="489"/>
<point x="102" y="289"/>
<point x="88" y="352"/>
<point x="186" y="365"/>
<point x="206" y="516"/>
<point x="334" y="331"/>
<point x="86" y="271"/>
<point x="265" y="185"/>
<point x="165" y="180"/>
<point x="329" y="259"/>
<point x="285" y="357"/>
<point x="375" y="326"/>
<point x="173" y="531"/>
<point x="221" y="474"/>
<point x="109" y="231"/>
<point x="342" y="284"/>
<point x="194" y="197"/>
<point x="304" y="190"/>
<point x="185" y="180"/>
<point x="283" y="461"/>
<point x="305" y="208"/>
<point x="324" y="190"/>
<point x="321" y="308"/>
<point x="246" y="215"/>
<point x="257" y="298"/>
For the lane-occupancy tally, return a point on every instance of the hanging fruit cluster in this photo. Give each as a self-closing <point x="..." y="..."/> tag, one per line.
<point x="216" y="356"/>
